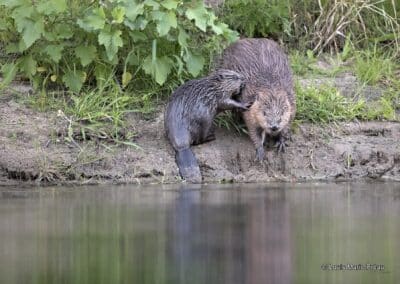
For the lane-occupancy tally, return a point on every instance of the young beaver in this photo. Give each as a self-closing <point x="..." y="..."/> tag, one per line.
<point x="269" y="85"/>
<point x="190" y="113"/>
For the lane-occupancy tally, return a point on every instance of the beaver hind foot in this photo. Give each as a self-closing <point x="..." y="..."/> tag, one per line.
<point x="188" y="167"/>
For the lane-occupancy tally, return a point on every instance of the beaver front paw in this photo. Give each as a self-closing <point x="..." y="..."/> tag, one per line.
<point x="281" y="145"/>
<point x="246" y="106"/>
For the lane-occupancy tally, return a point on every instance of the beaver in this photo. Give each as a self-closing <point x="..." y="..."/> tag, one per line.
<point x="269" y="84"/>
<point x="190" y="113"/>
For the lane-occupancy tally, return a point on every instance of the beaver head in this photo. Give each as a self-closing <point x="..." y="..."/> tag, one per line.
<point x="272" y="111"/>
<point x="228" y="82"/>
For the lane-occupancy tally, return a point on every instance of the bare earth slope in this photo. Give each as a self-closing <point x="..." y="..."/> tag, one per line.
<point x="31" y="152"/>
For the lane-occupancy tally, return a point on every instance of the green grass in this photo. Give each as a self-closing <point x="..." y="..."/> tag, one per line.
<point x="230" y="121"/>
<point x="307" y="64"/>
<point x="372" y="66"/>
<point x="317" y="25"/>
<point x="326" y="105"/>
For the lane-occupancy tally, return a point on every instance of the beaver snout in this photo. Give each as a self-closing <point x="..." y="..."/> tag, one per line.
<point x="274" y="128"/>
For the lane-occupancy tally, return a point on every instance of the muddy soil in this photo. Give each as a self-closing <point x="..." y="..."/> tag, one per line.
<point x="31" y="151"/>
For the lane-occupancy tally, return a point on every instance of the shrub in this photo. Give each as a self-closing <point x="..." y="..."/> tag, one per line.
<point x="76" y="43"/>
<point x="257" y="18"/>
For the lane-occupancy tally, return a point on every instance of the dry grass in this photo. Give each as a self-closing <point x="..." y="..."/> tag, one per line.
<point x="340" y="18"/>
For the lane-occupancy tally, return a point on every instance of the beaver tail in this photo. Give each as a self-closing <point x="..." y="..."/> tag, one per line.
<point x="187" y="164"/>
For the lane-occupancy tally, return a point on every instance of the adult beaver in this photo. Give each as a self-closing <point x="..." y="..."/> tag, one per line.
<point x="190" y="113"/>
<point x="269" y="85"/>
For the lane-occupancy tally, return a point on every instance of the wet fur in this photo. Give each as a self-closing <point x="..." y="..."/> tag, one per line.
<point x="190" y="113"/>
<point x="269" y="85"/>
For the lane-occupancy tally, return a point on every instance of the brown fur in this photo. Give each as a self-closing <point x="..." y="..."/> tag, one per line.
<point x="269" y="85"/>
<point x="190" y="113"/>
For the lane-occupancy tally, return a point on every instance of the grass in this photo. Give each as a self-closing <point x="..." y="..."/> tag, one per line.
<point x="372" y="66"/>
<point x="317" y="25"/>
<point x="325" y="104"/>
<point x="231" y="121"/>
<point x="307" y="64"/>
<point x="355" y="32"/>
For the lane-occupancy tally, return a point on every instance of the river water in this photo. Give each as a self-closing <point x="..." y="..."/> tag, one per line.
<point x="269" y="233"/>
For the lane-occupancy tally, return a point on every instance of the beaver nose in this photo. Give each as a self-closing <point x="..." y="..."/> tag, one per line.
<point x="274" y="128"/>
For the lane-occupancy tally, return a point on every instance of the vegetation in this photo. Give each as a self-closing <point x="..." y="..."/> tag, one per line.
<point x="325" y="104"/>
<point x="317" y="25"/>
<point x="96" y="61"/>
<point x="75" y="43"/>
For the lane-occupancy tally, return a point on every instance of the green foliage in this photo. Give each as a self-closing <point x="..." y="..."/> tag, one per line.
<point x="317" y="25"/>
<point x="231" y="121"/>
<point x="79" y="43"/>
<point x="302" y="64"/>
<point x="373" y="66"/>
<point x="326" y="105"/>
<point x="257" y="18"/>
<point x="99" y="113"/>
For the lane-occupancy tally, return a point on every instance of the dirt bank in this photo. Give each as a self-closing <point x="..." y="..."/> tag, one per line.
<point x="31" y="151"/>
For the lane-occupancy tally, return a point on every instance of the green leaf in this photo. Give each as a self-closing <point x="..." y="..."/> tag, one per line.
<point x="32" y="33"/>
<point x="158" y="68"/>
<point x="74" y="80"/>
<point x="133" y="10"/>
<point x="8" y="72"/>
<point x="63" y="31"/>
<point x="3" y="24"/>
<point x="54" y="51"/>
<point x="94" y="20"/>
<point x="28" y="65"/>
<point x="132" y="59"/>
<point x="51" y="6"/>
<point x="86" y="54"/>
<point x="30" y="28"/>
<point x="112" y="40"/>
<point x="138" y="36"/>
<point x="118" y="14"/>
<point x="165" y="21"/>
<point x="139" y="24"/>
<point x="20" y="14"/>
<point x="183" y="37"/>
<point x="170" y="4"/>
<point x="126" y="78"/>
<point x="14" y="3"/>
<point x="152" y="3"/>
<point x="219" y="28"/>
<point x="194" y="63"/>
<point x="199" y="14"/>
<point x="12" y="48"/>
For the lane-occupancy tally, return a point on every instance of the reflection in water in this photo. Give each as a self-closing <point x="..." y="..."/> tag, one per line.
<point x="200" y="234"/>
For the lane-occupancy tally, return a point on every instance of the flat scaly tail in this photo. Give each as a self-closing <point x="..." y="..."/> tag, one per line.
<point x="187" y="164"/>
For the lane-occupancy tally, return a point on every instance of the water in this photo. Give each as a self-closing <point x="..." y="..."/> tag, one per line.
<point x="212" y="234"/>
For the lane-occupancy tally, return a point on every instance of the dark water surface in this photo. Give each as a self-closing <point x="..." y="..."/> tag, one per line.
<point x="271" y="233"/>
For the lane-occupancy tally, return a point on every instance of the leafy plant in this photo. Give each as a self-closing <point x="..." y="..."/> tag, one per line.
<point x="81" y="43"/>
<point x="257" y="18"/>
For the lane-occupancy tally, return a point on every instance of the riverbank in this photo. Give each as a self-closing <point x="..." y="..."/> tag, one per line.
<point x="34" y="149"/>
